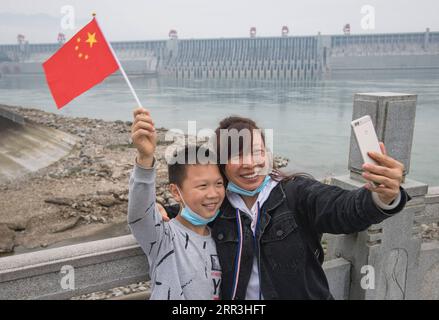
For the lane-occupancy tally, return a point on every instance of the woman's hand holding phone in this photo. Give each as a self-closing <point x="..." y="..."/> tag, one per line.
<point x="382" y="171"/>
<point x="387" y="173"/>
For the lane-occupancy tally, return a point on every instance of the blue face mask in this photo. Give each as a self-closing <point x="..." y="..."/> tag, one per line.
<point x="192" y="217"/>
<point x="234" y="188"/>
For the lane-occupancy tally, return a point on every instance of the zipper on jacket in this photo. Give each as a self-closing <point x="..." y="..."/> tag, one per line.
<point x="238" y="255"/>
<point x="258" y="246"/>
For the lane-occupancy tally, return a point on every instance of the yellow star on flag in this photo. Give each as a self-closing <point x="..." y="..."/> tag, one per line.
<point x="91" y="39"/>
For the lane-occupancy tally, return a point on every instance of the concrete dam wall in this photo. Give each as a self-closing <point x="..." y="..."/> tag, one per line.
<point x="287" y="57"/>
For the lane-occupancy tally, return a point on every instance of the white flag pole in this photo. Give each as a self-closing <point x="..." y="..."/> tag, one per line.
<point x="120" y="66"/>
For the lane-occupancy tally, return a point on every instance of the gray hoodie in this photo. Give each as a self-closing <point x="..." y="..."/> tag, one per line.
<point x="183" y="264"/>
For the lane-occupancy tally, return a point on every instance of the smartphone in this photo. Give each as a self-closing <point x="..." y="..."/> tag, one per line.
<point x="367" y="139"/>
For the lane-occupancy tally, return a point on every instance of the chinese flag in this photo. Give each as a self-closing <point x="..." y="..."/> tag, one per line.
<point x="81" y="63"/>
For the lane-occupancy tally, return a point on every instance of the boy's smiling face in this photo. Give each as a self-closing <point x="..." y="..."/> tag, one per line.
<point x="202" y="189"/>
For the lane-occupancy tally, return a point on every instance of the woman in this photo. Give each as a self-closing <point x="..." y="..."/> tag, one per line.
<point x="269" y="230"/>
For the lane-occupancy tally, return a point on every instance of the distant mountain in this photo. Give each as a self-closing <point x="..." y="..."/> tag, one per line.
<point x="37" y="28"/>
<point x="18" y="19"/>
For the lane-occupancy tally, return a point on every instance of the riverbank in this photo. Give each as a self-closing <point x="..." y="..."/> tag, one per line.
<point x="78" y="196"/>
<point x="81" y="197"/>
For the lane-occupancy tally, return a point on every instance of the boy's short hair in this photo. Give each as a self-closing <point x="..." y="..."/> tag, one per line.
<point x="188" y="155"/>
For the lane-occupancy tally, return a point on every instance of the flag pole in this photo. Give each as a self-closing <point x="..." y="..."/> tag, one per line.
<point x="121" y="68"/>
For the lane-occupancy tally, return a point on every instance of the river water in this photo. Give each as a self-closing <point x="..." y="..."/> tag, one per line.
<point x="310" y="120"/>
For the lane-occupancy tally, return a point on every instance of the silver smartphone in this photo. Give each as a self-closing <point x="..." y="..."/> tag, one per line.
<point x="367" y="139"/>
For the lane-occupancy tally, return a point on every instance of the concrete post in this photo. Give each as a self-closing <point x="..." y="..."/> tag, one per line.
<point x="393" y="115"/>
<point x="392" y="248"/>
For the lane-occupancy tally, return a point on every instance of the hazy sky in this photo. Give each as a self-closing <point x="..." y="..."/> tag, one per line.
<point x="40" y="21"/>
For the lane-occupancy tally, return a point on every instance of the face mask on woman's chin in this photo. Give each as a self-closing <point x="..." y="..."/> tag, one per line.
<point x="249" y="193"/>
<point x="192" y="217"/>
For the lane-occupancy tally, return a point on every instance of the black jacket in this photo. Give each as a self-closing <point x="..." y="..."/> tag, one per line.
<point x="287" y="241"/>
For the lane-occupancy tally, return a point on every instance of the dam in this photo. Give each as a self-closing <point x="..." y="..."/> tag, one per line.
<point x="281" y="58"/>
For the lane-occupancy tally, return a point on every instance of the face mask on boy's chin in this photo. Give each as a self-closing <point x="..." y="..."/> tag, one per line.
<point x="191" y="216"/>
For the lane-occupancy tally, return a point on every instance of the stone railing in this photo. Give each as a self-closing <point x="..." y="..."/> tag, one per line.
<point x="100" y="265"/>
<point x="93" y="266"/>
<point x="431" y="213"/>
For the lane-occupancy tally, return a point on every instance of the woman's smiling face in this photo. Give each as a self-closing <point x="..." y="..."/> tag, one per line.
<point x="248" y="169"/>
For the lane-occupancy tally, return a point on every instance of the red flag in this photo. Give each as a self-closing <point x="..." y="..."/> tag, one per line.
<point x="81" y="63"/>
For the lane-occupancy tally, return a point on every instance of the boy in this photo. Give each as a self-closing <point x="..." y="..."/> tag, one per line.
<point x="181" y="253"/>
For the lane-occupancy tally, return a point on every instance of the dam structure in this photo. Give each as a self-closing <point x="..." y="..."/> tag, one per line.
<point x="283" y="58"/>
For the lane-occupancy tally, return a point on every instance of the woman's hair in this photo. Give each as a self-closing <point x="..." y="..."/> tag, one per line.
<point x="224" y="146"/>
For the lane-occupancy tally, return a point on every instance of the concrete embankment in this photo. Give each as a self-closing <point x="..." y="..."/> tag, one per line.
<point x="27" y="147"/>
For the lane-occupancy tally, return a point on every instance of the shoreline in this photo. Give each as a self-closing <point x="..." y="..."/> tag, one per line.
<point x="82" y="196"/>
